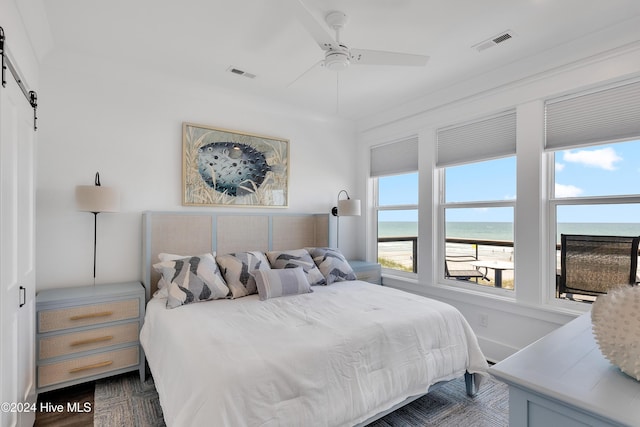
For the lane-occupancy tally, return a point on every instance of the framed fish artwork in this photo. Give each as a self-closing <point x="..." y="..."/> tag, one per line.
<point x="222" y="167"/>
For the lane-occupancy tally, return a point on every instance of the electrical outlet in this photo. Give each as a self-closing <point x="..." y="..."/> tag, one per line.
<point x="484" y="320"/>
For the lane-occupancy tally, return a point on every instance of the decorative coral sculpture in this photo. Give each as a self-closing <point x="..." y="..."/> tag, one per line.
<point x="616" y="326"/>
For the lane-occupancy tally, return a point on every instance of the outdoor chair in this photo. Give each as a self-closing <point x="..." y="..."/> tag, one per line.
<point x="464" y="271"/>
<point x="592" y="265"/>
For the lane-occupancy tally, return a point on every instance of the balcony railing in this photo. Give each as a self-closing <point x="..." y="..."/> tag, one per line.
<point x="414" y="249"/>
<point x="413" y="267"/>
<point x="396" y="258"/>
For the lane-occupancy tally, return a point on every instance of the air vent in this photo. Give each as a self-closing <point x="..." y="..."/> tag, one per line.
<point x="241" y="73"/>
<point x="500" y="38"/>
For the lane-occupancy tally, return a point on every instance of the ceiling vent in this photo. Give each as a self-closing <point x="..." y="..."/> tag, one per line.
<point x="241" y="73"/>
<point x="495" y="40"/>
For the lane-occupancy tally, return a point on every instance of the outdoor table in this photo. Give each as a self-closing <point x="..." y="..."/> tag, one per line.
<point x="498" y="266"/>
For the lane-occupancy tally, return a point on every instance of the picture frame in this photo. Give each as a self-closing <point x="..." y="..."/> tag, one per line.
<point x="222" y="167"/>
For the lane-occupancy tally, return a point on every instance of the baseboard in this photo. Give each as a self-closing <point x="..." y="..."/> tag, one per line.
<point x="495" y="351"/>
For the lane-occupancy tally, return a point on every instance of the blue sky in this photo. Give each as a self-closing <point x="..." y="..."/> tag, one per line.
<point x="612" y="169"/>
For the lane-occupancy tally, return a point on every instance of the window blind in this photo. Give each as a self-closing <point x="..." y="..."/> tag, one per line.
<point x="395" y="158"/>
<point x="606" y="115"/>
<point x="480" y="140"/>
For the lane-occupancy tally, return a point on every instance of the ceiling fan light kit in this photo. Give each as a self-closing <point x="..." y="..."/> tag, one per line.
<point x="337" y="60"/>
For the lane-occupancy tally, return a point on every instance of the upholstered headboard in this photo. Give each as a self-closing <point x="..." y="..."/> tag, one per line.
<point x="192" y="233"/>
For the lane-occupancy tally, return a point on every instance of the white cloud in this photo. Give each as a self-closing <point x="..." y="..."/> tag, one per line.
<point x="568" y="190"/>
<point x="559" y="167"/>
<point x="510" y="197"/>
<point x="603" y="158"/>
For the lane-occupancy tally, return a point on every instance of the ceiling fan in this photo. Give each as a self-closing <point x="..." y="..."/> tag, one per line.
<point x="339" y="56"/>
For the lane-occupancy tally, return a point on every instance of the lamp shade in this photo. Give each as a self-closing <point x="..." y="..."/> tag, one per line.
<point x="349" y="207"/>
<point x="96" y="198"/>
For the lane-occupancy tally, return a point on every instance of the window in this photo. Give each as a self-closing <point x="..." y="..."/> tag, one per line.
<point x="593" y="140"/>
<point x="477" y="199"/>
<point x="394" y="167"/>
<point x="398" y="222"/>
<point x="478" y="211"/>
<point x="595" y="192"/>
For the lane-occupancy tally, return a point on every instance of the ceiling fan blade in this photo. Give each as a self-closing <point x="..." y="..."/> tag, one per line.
<point x="311" y="24"/>
<point x="379" y="57"/>
<point x="306" y="72"/>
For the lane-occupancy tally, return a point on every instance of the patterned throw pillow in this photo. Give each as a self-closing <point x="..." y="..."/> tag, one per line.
<point x="297" y="258"/>
<point x="238" y="269"/>
<point x="192" y="279"/>
<point x="278" y="283"/>
<point x="162" y="288"/>
<point x="332" y="264"/>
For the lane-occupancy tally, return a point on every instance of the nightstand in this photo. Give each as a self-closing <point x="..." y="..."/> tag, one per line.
<point x="88" y="332"/>
<point x="367" y="271"/>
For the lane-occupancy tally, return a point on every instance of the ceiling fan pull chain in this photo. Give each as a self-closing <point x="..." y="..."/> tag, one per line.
<point x="337" y="93"/>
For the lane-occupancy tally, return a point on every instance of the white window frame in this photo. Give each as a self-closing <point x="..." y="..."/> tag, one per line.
<point x="399" y="157"/>
<point x="598" y="116"/>
<point x="554" y="202"/>
<point x="442" y="206"/>
<point x="483" y="139"/>
<point x="377" y="208"/>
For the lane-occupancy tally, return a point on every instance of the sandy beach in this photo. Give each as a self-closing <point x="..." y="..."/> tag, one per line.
<point x="401" y="253"/>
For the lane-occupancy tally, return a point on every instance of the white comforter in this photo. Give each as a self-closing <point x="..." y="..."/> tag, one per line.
<point x="334" y="357"/>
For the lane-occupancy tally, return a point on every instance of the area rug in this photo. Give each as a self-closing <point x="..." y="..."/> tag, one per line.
<point x="125" y="401"/>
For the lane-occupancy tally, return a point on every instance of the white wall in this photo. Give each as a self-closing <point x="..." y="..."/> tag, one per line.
<point x="126" y="123"/>
<point x="518" y="318"/>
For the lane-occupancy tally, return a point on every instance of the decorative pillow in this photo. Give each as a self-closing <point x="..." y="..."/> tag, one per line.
<point x="162" y="284"/>
<point x="297" y="258"/>
<point x="278" y="283"/>
<point x="163" y="290"/>
<point x="162" y="256"/>
<point x="192" y="279"/>
<point x="332" y="264"/>
<point x="238" y="269"/>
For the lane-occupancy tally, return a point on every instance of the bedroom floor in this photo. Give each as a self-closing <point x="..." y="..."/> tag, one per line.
<point x="80" y="393"/>
<point x="124" y="401"/>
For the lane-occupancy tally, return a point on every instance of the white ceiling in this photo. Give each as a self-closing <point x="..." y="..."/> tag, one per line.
<point x="201" y="39"/>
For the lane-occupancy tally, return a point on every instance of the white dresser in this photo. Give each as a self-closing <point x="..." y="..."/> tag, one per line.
<point x="564" y="380"/>
<point x="88" y="332"/>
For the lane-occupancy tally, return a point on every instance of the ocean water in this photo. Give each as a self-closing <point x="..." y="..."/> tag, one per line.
<point x="504" y="230"/>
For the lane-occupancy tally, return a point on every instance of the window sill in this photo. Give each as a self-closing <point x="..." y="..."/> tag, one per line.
<point x="493" y="299"/>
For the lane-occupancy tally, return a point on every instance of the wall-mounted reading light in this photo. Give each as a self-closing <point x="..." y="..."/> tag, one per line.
<point x="95" y="199"/>
<point x="345" y="207"/>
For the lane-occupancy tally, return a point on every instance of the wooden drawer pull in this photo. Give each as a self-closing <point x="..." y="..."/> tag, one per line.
<point x="92" y="315"/>
<point x="94" y="366"/>
<point x="91" y="340"/>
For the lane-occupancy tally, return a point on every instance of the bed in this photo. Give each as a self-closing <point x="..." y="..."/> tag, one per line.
<point x="343" y="354"/>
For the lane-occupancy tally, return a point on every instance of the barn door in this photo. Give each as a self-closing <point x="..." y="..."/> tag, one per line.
<point x="17" y="256"/>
